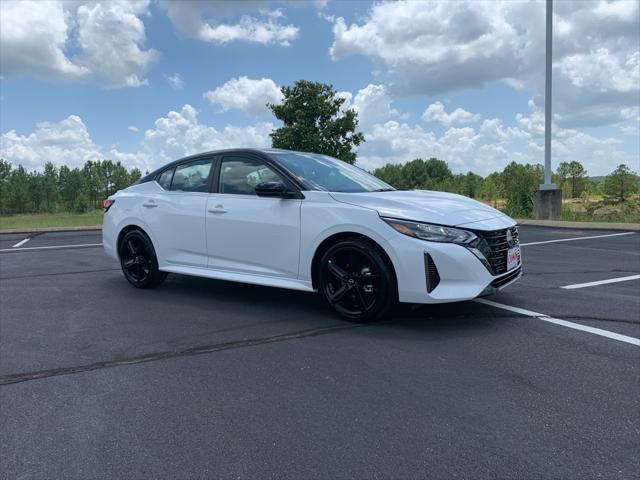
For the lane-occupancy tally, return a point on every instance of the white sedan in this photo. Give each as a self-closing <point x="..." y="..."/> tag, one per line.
<point x="309" y="222"/>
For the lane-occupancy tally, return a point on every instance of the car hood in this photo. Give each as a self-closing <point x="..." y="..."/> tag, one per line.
<point x="429" y="207"/>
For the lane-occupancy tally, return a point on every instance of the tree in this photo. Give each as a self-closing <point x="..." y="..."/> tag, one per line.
<point x="620" y="183"/>
<point x="518" y="183"/>
<point x="490" y="188"/>
<point x="313" y="121"/>
<point x="18" y="190"/>
<point x="392" y="173"/>
<point x="5" y="172"/>
<point x="573" y="174"/>
<point x="437" y="171"/>
<point x="50" y="187"/>
<point x="471" y="184"/>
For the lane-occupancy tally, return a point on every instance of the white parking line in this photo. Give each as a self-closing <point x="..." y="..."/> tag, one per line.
<point x="601" y="282"/>
<point x="21" y="242"/>
<point x="564" y="323"/>
<point x="52" y="247"/>
<point x="577" y="238"/>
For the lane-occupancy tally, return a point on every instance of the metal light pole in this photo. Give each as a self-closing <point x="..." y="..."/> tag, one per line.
<point x="548" y="200"/>
<point x="547" y="100"/>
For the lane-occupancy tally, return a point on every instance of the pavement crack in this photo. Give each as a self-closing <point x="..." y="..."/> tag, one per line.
<point x="165" y="355"/>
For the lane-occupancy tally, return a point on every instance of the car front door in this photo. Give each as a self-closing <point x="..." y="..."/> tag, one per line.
<point x="176" y="214"/>
<point x="247" y="233"/>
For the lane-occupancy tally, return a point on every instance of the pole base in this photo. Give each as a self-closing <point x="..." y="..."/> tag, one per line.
<point x="547" y="204"/>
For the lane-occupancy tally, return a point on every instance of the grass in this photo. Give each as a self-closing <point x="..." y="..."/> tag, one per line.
<point x="592" y="209"/>
<point x="46" y="220"/>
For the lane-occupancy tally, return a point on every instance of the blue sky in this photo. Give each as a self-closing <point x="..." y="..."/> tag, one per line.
<point x="146" y="82"/>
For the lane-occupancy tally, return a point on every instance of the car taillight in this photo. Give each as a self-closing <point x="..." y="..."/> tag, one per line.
<point x="106" y="204"/>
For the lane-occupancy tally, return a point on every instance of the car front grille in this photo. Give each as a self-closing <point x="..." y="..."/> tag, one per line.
<point x="494" y="247"/>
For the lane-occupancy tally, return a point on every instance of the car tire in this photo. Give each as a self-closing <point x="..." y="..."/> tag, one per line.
<point x="356" y="280"/>
<point x="138" y="260"/>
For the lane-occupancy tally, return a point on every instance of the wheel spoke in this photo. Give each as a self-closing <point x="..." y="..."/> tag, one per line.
<point x="130" y="246"/>
<point x="337" y="271"/>
<point x="336" y="296"/>
<point x="360" y="299"/>
<point x="128" y="263"/>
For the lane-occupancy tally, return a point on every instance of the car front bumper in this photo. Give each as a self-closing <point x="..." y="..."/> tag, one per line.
<point x="460" y="274"/>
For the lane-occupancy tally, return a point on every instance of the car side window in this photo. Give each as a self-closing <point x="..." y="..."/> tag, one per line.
<point x="240" y="175"/>
<point x="164" y="179"/>
<point x="192" y="177"/>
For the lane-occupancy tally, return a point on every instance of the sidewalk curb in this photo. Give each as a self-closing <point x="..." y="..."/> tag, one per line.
<point x="581" y="225"/>
<point x="5" y="231"/>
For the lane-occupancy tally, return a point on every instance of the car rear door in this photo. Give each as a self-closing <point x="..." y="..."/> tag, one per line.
<point x="247" y="233"/>
<point x="176" y="214"/>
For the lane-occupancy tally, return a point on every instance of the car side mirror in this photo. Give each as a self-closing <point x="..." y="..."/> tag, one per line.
<point x="273" y="189"/>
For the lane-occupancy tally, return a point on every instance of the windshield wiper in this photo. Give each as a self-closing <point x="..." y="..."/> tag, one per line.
<point x="384" y="190"/>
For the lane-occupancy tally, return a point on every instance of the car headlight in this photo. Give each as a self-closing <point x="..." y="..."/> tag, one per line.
<point x="431" y="232"/>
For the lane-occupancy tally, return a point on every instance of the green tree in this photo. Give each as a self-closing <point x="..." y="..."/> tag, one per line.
<point x="392" y="174"/>
<point x="121" y="177"/>
<point x="574" y="175"/>
<point x="490" y="189"/>
<point x="518" y="184"/>
<point x="471" y="185"/>
<point x="415" y="174"/>
<point x="134" y="175"/>
<point x="18" y="190"/>
<point x="36" y="192"/>
<point x="438" y="172"/>
<point x="620" y="183"/>
<point x="50" y="187"/>
<point x="313" y="121"/>
<point x="5" y="186"/>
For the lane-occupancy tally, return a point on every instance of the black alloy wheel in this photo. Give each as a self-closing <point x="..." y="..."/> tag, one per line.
<point x="356" y="281"/>
<point x="138" y="260"/>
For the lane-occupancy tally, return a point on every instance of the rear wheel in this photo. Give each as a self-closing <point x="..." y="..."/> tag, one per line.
<point x="356" y="280"/>
<point x="138" y="260"/>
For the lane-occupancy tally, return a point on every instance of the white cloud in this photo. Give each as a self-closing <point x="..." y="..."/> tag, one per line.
<point x="373" y="105"/>
<point x="491" y="146"/>
<point x="64" y="143"/>
<point x="175" y="135"/>
<point x="347" y="96"/>
<point x="36" y="38"/>
<point x="132" y="128"/>
<point x="493" y="129"/>
<point x="175" y="81"/>
<point x="436" y="113"/>
<point x="111" y="36"/>
<point x="246" y="94"/>
<point x="194" y="19"/>
<point x="33" y="38"/>
<point x="427" y="48"/>
<point x="602" y="71"/>
<point x="180" y="133"/>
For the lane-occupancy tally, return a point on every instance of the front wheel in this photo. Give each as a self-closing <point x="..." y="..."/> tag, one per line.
<point x="356" y="280"/>
<point x="138" y="260"/>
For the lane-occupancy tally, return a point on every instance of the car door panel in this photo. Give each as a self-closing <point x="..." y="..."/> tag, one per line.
<point x="177" y="216"/>
<point x="178" y="224"/>
<point x="251" y="234"/>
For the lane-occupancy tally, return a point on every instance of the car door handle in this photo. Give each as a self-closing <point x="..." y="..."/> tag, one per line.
<point x="150" y="205"/>
<point x="217" y="209"/>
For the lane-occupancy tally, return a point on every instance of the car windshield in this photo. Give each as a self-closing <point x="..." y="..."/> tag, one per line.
<point x="320" y="172"/>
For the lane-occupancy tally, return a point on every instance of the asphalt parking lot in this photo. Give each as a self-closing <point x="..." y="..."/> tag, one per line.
<point x="204" y="378"/>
